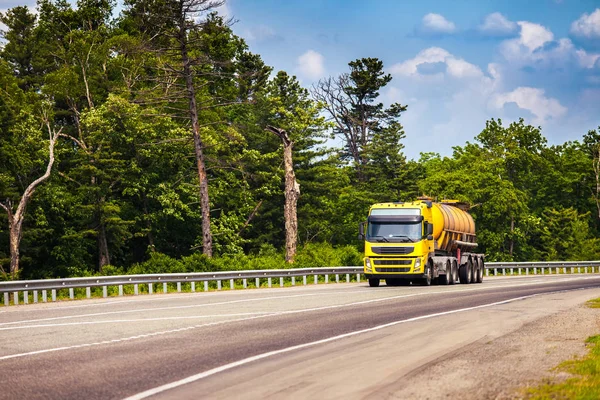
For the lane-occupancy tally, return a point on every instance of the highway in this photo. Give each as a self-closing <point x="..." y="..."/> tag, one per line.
<point x="323" y="341"/>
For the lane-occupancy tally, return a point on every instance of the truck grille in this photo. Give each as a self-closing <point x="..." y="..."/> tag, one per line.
<point x="392" y="262"/>
<point x="393" y="269"/>
<point x="392" y="250"/>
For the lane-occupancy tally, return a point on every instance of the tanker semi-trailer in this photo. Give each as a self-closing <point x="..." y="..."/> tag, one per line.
<point x="420" y="242"/>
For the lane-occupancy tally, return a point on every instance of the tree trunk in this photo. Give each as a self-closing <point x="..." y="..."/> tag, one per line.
<point x="103" y="254"/>
<point x="292" y="193"/>
<point x="15" y="219"/>
<point x="596" y="164"/>
<point x="198" y="145"/>
<point x="512" y="240"/>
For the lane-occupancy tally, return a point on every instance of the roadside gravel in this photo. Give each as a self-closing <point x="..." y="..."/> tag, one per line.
<point x="504" y="367"/>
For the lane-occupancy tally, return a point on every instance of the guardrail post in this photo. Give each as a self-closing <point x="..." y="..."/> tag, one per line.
<point x="269" y="282"/>
<point x="578" y="270"/>
<point x="53" y="294"/>
<point x="337" y="278"/>
<point x="487" y="272"/>
<point x="44" y="296"/>
<point x="503" y="271"/>
<point x="326" y="278"/>
<point x="585" y="270"/>
<point x="26" y="297"/>
<point x="218" y="285"/>
<point x="534" y="270"/>
<point x="280" y="281"/>
<point x="71" y="294"/>
<point x="193" y="284"/>
<point x="136" y="289"/>
<point x="572" y="270"/>
<point x="178" y="287"/>
<point x="120" y="290"/>
<point x="564" y="270"/>
<point x="347" y="278"/>
<point x="293" y="281"/>
<point x="245" y="283"/>
<point x="495" y="271"/>
<point x="16" y="298"/>
<point x="358" y="278"/>
<point x="519" y="271"/>
<point x="6" y="299"/>
<point x="206" y="286"/>
<point x="35" y="296"/>
<point x="526" y="271"/>
<point x="511" y="271"/>
<point x="231" y="284"/>
<point x="150" y="288"/>
<point x="104" y="291"/>
<point x="304" y="280"/>
<point x="88" y="292"/>
<point x="257" y="282"/>
<point x="316" y="280"/>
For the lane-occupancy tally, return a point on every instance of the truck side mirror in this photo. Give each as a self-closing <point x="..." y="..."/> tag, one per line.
<point x="429" y="229"/>
<point x="361" y="231"/>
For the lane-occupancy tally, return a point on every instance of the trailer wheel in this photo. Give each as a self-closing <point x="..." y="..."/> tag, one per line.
<point x="447" y="279"/>
<point x="474" y="270"/>
<point x="466" y="272"/>
<point x="454" y="272"/>
<point x="481" y="269"/>
<point x="374" y="282"/>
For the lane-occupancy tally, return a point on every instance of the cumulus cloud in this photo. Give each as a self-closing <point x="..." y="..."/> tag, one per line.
<point x="435" y="25"/>
<point x="454" y="66"/>
<point x="311" y="65"/>
<point x="496" y="24"/>
<point x="533" y="100"/>
<point x="587" y="26"/>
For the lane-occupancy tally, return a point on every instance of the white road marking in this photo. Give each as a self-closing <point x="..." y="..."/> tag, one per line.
<point x="115" y="321"/>
<point x="479" y="288"/>
<point x="202" y="375"/>
<point x="279" y="313"/>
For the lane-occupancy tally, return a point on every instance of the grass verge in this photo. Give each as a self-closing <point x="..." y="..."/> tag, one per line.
<point x="585" y="380"/>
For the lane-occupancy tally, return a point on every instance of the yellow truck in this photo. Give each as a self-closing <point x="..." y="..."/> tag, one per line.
<point x="420" y="242"/>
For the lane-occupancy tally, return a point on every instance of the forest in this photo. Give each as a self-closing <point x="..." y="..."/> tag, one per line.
<point x="141" y="144"/>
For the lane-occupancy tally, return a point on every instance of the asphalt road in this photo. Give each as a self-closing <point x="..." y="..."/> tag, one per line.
<point x="325" y="341"/>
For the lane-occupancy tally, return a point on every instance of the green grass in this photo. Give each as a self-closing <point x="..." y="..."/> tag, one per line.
<point x="584" y="384"/>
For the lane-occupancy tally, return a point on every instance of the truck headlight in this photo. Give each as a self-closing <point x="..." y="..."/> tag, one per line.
<point x="417" y="264"/>
<point x="368" y="264"/>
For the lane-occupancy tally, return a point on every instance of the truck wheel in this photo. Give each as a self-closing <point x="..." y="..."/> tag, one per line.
<point x="465" y="271"/>
<point x="481" y="269"/>
<point x="454" y="272"/>
<point x="474" y="270"/>
<point x="428" y="272"/>
<point x="447" y="279"/>
<point x="374" y="282"/>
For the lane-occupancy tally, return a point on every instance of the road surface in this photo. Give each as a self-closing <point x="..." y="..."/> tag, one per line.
<point x="324" y="341"/>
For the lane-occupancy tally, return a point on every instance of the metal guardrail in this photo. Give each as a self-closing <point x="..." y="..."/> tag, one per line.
<point x="23" y="289"/>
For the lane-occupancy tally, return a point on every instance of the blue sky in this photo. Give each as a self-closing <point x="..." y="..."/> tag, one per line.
<point x="454" y="63"/>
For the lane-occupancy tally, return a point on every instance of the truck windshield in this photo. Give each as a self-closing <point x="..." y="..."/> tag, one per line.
<point x="394" y="232"/>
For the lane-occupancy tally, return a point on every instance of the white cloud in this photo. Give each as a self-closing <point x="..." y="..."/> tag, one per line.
<point x="533" y="100"/>
<point x="437" y="23"/>
<point x="454" y="66"/>
<point x="534" y="36"/>
<point x="587" y="26"/>
<point x="310" y="65"/>
<point x="497" y="24"/>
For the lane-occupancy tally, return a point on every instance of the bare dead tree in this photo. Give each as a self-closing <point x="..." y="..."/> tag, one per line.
<point x="16" y="217"/>
<point x="292" y="193"/>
